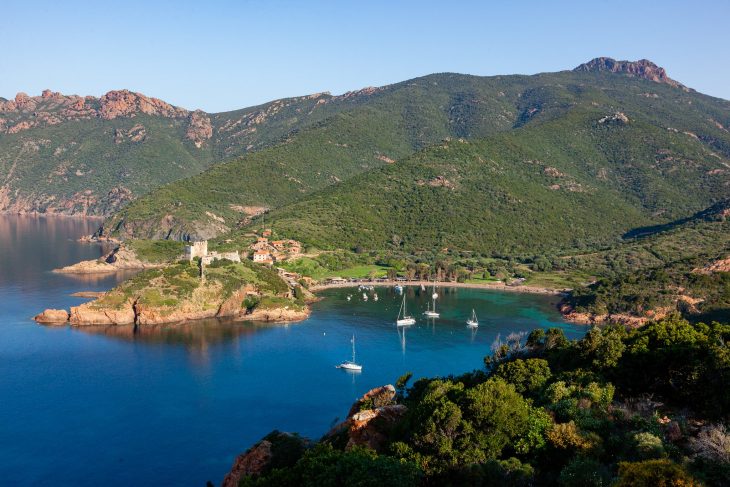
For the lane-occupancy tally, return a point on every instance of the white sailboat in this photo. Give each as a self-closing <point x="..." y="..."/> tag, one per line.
<point x="403" y="317"/>
<point x="351" y="364"/>
<point x="432" y="313"/>
<point x="472" y="322"/>
<point x="364" y="297"/>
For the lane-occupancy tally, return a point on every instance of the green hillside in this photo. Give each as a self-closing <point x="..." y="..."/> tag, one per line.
<point x="669" y="269"/>
<point x="633" y="172"/>
<point x="79" y="168"/>
<point x="90" y="156"/>
<point x="563" y="183"/>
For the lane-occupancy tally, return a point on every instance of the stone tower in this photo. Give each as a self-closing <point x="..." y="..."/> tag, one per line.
<point x="197" y="249"/>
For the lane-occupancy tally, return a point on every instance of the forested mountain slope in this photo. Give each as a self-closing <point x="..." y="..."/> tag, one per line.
<point x="661" y="150"/>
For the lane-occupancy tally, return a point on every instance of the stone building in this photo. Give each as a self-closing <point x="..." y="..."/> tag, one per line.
<point x="200" y="250"/>
<point x="197" y="249"/>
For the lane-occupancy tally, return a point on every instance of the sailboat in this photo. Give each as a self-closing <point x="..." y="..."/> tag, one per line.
<point x="472" y="322"/>
<point x="432" y="313"/>
<point x="351" y="364"/>
<point x="403" y="318"/>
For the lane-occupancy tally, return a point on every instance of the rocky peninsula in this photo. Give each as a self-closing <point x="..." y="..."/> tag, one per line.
<point x="179" y="292"/>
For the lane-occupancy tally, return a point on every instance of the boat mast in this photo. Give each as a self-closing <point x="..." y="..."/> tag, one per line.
<point x="353" y="348"/>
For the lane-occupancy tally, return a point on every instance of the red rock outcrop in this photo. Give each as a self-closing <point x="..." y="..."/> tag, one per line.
<point x="370" y="420"/>
<point x="91" y="314"/>
<point x="254" y="461"/>
<point x="277" y="315"/>
<point x="377" y="397"/>
<point x="200" y="128"/>
<point x="625" y="319"/>
<point x="52" y="317"/>
<point x="642" y="68"/>
<point x="371" y="428"/>
<point x="51" y="108"/>
<point x="261" y="457"/>
<point x="123" y="103"/>
<point x="119" y="259"/>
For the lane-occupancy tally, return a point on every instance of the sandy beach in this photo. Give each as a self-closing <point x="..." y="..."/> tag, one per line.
<point x="493" y="287"/>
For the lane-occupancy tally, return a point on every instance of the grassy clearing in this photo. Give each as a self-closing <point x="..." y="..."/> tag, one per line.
<point x="156" y="251"/>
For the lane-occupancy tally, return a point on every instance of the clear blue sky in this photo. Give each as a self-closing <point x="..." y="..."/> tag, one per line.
<point x="223" y="55"/>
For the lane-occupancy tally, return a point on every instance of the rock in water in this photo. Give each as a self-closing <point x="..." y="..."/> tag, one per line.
<point x="52" y="317"/>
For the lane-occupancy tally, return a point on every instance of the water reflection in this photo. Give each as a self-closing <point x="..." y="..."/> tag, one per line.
<point x="194" y="335"/>
<point x="402" y="338"/>
<point x="473" y="332"/>
<point x="101" y="277"/>
<point x="49" y="241"/>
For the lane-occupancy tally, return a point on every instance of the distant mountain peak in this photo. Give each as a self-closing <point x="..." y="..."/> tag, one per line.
<point x="643" y="68"/>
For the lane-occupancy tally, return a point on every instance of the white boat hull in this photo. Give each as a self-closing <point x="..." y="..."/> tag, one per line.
<point x="431" y="314"/>
<point x="472" y="324"/>
<point x="348" y="366"/>
<point x="405" y="321"/>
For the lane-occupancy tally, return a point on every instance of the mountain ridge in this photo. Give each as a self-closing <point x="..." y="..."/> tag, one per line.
<point x="422" y="112"/>
<point x="79" y="155"/>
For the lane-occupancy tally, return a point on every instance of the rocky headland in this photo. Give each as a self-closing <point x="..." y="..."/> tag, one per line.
<point x="172" y="293"/>
<point x="120" y="259"/>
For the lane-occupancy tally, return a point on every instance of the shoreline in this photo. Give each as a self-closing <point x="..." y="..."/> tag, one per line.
<point x="492" y="287"/>
<point x="37" y="214"/>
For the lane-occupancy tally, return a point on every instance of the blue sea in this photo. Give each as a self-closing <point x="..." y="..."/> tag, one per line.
<point x="174" y="404"/>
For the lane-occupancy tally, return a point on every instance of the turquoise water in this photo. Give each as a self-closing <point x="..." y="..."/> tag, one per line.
<point x="173" y="405"/>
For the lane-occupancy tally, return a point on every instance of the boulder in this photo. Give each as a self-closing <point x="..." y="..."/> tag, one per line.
<point x="88" y="314"/>
<point x="52" y="316"/>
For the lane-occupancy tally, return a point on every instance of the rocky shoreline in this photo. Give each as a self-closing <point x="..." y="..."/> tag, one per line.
<point x="119" y="259"/>
<point x="135" y="314"/>
<point x="43" y="214"/>
<point x="573" y="316"/>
